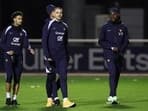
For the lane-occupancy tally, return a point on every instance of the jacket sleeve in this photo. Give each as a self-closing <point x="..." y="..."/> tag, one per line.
<point x="26" y="43"/>
<point x="66" y="42"/>
<point x="45" y="41"/>
<point x="125" y="41"/>
<point x="3" y="40"/>
<point x="102" y="40"/>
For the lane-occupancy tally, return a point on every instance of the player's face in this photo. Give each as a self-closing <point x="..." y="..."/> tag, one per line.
<point x="18" y="20"/>
<point x="58" y="13"/>
<point x="114" y="16"/>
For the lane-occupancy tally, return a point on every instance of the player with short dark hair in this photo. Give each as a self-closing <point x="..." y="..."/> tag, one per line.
<point x="13" y="39"/>
<point x="50" y="64"/>
<point x="114" y="40"/>
<point x="54" y="42"/>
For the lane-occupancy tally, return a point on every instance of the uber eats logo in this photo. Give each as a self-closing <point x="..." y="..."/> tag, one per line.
<point x="89" y="59"/>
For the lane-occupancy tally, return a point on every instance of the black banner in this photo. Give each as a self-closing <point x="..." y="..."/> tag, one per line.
<point x="87" y="59"/>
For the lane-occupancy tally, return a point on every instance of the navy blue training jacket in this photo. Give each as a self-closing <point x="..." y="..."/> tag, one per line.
<point x="54" y="39"/>
<point x="113" y="35"/>
<point x="14" y="38"/>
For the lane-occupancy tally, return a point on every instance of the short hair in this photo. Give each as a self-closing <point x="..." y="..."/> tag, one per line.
<point x="114" y="9"/>
<point x="58" y="8"/>
<point x="16" y="13"/>
<point x="50" y="8"/>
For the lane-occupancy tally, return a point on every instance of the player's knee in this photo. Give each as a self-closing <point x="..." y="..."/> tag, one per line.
<point x="8" y="79"/>
<point x="17" y="80"/>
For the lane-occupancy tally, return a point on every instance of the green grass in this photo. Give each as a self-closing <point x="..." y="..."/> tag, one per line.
<point x="89" y="93"/>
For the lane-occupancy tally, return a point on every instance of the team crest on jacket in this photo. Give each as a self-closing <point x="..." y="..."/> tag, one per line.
<point x="21" y="34"/>
<point x="120" y="32"/>
<point x="60" y="38"/>
<point x="16" y="39"/>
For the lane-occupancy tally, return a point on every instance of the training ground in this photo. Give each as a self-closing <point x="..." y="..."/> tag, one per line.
<point x="89" y="92"/>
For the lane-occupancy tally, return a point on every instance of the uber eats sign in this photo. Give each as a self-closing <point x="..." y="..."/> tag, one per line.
<point x="88" y="59"/>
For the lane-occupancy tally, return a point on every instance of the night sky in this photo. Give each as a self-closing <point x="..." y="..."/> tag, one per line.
<point x="35" y="12"/>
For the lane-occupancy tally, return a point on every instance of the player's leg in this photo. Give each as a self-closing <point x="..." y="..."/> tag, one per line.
<point x="50" y="81"/>
<point x="116" y="83"/>
<point x="112" y="75"/>
<point x="54" y="83"/>
<point x="119" y="63"/>
<point x="112" y="80"/>
<point x="9" y="75"/>
<point x="118" y="69"/>
<point x="49" y="88"/>
<point x="61" y="66"/>
<point x="55" y="91"/>
<point x="62" y="71"/>
<point x="58" y="83"/>
<point x="17" y="77"/>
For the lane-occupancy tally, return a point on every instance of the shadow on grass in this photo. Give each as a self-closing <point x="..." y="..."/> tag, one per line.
<point x="119" y="106"/>
<point x="11" y="108"/>
<point x="54" y="108"/>
<point x="89" y="102"/>
<point x="33" y="102"/>
<point x="102" y="104"/>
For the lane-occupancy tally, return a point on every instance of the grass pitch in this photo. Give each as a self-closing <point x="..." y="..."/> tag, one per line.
<point x="89" y="93"/>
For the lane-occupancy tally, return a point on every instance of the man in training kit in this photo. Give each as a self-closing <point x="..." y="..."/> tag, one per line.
<point x="50" y="64"/>
<point x="114" y="40"/>
<point x="54" y="42"/>
<point x="13" y="39"/>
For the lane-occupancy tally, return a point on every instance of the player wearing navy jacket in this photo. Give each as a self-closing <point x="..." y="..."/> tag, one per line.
<point x="54" y="42"/>
<point x="13" y="39"/>
<point x="114" y="40"/>
<point x="50" y="64"/>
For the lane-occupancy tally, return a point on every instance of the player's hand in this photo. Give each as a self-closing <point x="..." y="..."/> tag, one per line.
<point x="115" y="49"/>
<point x="11" y="52"/>
<point x="32" y="51"/>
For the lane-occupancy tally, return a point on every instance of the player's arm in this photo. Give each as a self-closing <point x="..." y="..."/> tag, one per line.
<point x="66" y="39"/>
<point x="46" y="52"/>
<point x="3" y="39"/>
<point x="3" y="45"/>
<point x="66" y="45"/>
<point x="125" y="42"/>
<point x="102" y="40"/>
<point x="26" y="43"/>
